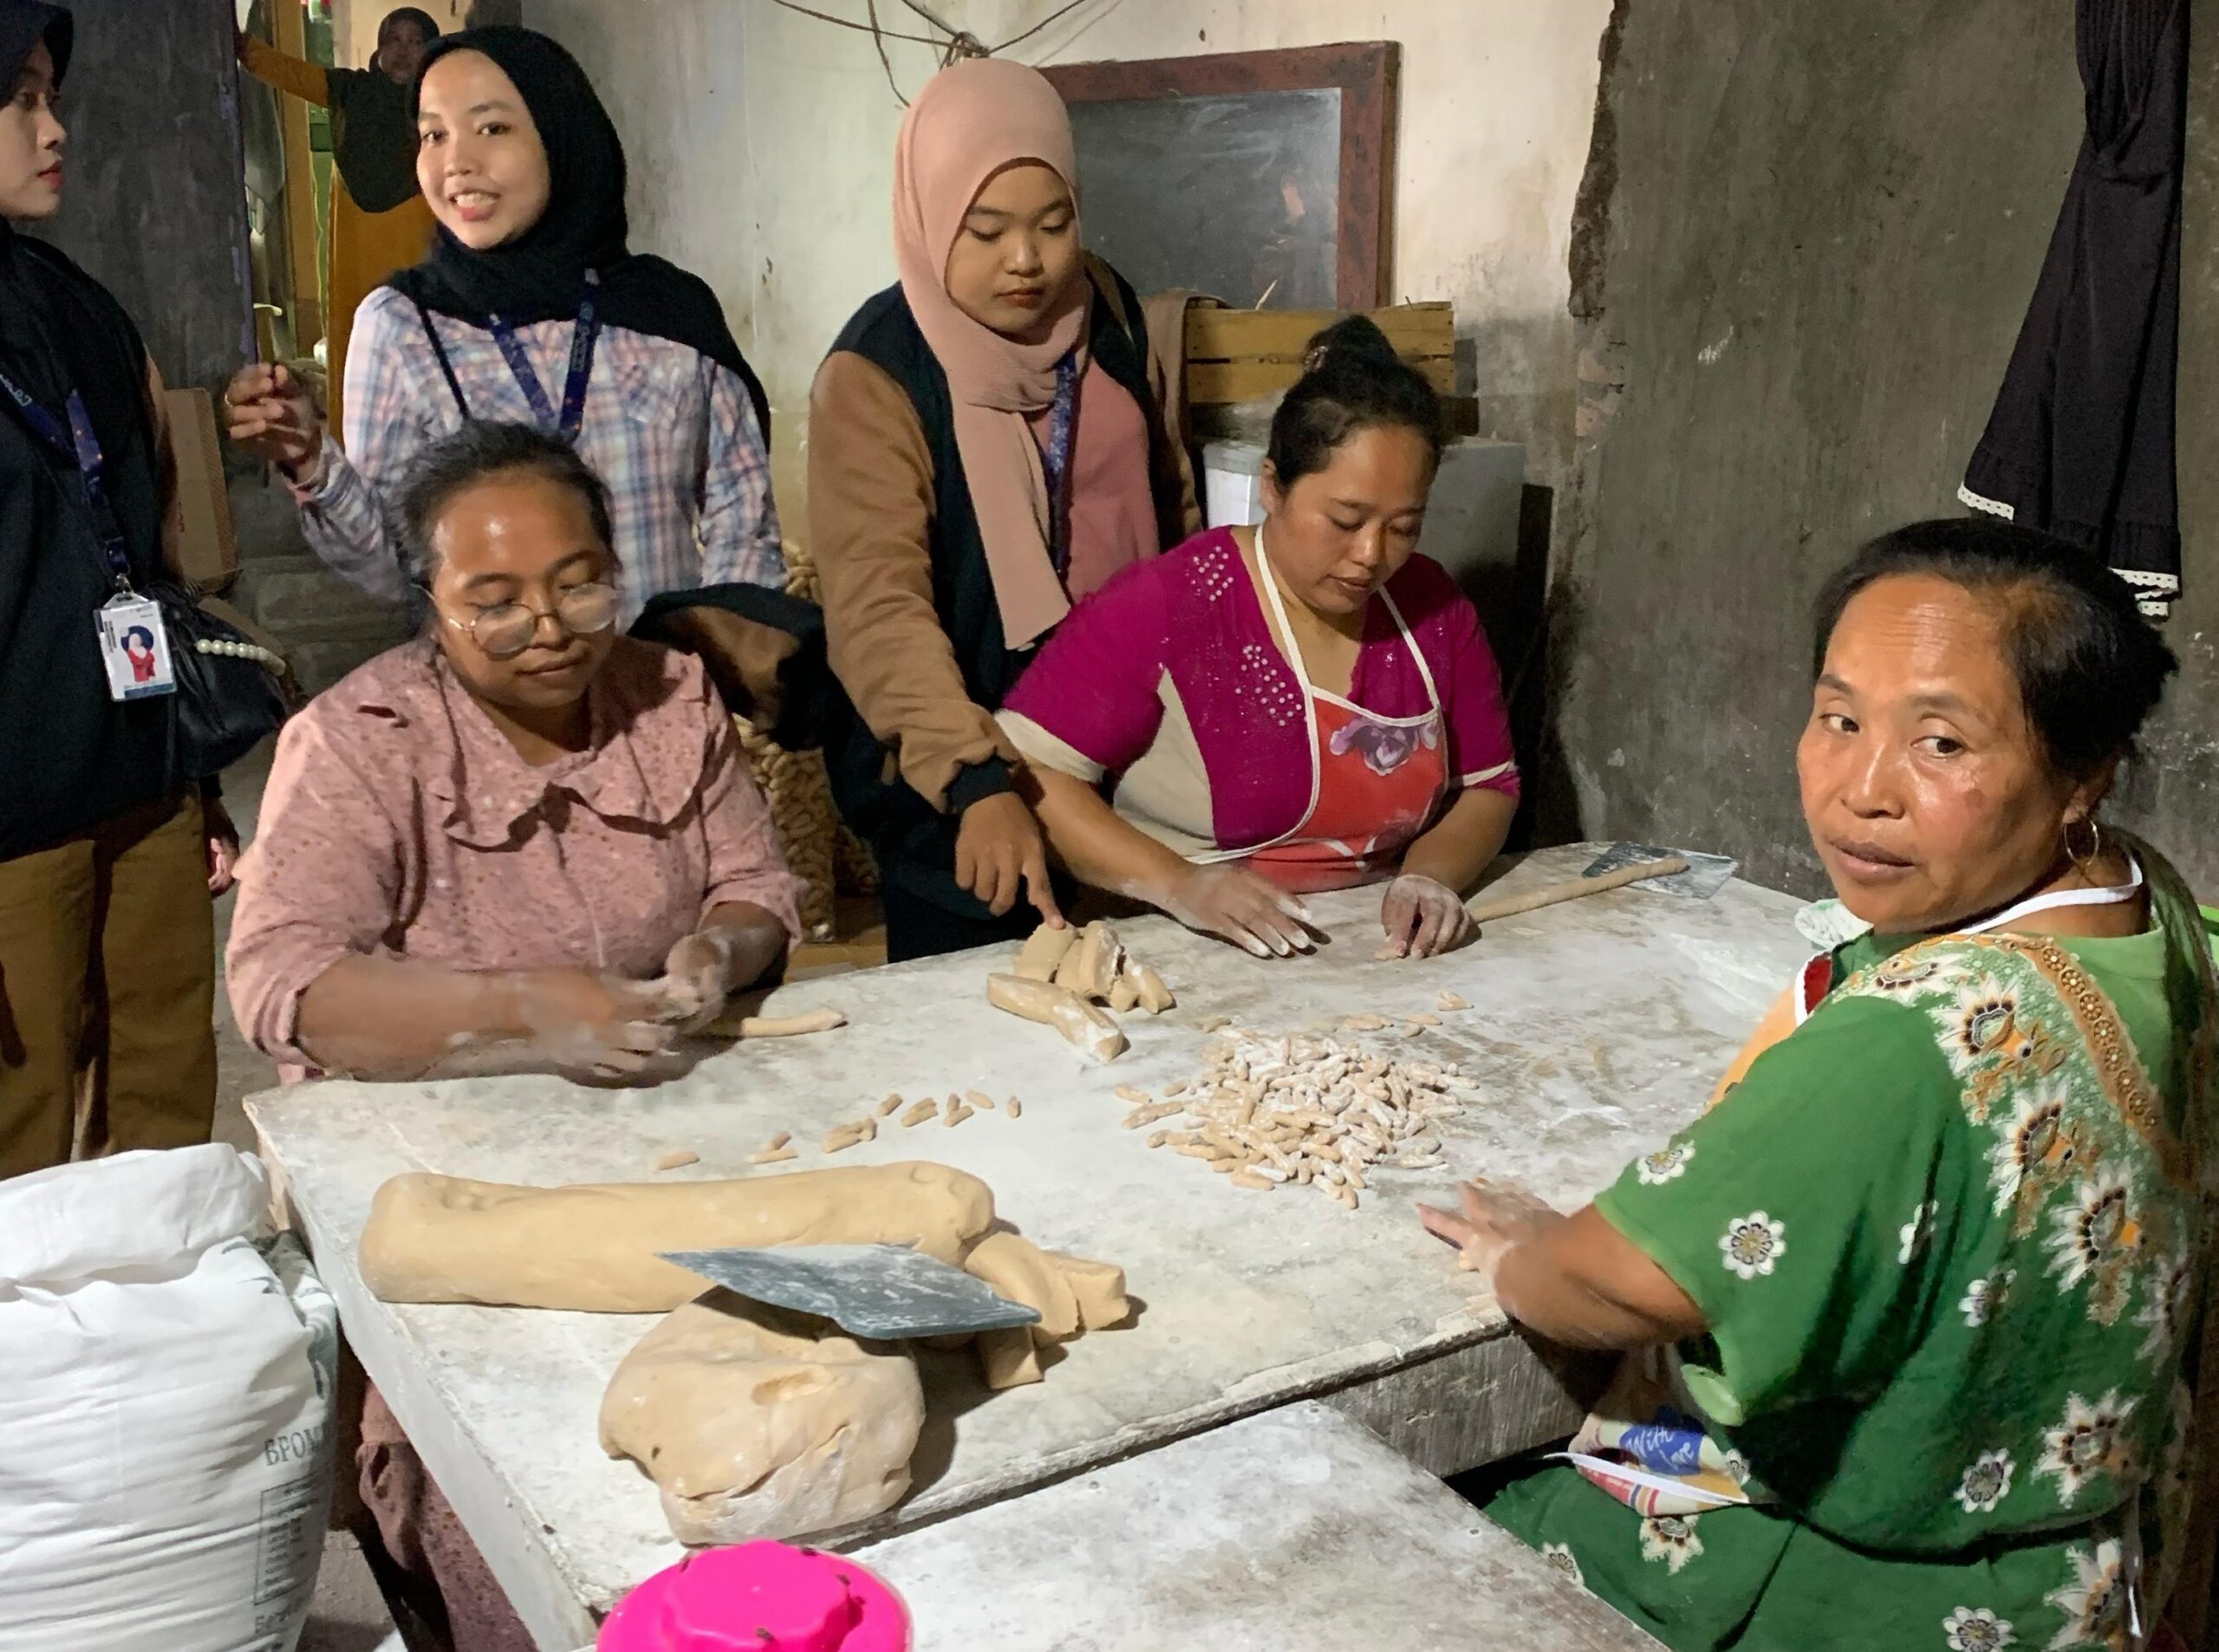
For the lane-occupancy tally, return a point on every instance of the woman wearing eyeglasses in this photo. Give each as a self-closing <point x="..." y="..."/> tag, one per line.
<point x="522" y="842"/>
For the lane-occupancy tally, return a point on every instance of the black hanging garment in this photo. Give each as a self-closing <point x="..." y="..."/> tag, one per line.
<point x="2081" y="441"/>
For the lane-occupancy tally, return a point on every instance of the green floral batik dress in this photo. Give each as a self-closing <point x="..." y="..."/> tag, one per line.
<point x="1948" y="1237"/>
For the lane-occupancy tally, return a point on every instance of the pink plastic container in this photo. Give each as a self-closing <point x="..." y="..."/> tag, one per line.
<point x="759" y="1597"/>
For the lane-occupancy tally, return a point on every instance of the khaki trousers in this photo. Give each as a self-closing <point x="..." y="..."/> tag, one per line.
<point x="107" y="976"/>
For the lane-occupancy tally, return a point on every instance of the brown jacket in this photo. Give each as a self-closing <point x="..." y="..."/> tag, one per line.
<point x="870" y="505"/>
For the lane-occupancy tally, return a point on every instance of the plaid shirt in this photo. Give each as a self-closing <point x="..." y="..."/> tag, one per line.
<point x="672" y="434"/>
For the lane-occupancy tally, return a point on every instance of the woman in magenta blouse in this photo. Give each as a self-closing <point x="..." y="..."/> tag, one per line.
<point x="1303" y="706"/>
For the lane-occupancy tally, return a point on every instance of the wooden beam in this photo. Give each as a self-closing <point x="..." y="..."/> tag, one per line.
<point x="1416" y="331"/>
<point x="1257" y="380"/>
<point x="1251" y="354"/>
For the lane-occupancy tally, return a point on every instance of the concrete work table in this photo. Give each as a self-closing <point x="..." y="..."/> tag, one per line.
<point x="1293" y="1528"/>
<point x="1596" y="1028"/>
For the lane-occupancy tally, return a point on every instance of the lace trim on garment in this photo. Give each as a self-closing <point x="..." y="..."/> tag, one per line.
<point x="1981" y="501"/>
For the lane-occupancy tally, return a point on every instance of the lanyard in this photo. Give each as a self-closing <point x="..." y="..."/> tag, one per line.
<point x="582" y="339"/>
<point x="1056" y="461"/>
<point x="78" y="444"/>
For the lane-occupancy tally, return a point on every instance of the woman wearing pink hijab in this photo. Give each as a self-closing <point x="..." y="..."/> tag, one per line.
<point x="987" y="445"/>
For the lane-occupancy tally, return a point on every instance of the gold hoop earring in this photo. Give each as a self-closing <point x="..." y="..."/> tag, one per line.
<point x="2081" y="863"/>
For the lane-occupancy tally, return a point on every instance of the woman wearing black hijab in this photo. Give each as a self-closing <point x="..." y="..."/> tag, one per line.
<point x="378" y="220"/>
<point x="531" y="308"/>
<point x="107" y="857"/>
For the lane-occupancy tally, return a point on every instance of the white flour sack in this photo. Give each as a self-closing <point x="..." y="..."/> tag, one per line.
<point x="166" y="1395"/>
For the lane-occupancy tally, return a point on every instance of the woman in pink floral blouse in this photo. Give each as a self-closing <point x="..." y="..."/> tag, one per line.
<point x="522" y="842"/>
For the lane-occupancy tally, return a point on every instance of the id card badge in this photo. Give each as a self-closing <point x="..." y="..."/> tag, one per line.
<point x="135" y="648"/>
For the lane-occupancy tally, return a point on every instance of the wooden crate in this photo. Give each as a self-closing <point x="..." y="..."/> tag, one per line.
<point x="1252" y="354"/>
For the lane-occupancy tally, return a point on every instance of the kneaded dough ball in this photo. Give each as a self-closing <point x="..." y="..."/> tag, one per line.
<point x="758" y="1422"/>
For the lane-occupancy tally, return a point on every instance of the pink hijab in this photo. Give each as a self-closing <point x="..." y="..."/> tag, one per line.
<point x="969" y="121"/>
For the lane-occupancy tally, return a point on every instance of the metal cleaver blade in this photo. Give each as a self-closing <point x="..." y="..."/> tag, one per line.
<point x="879" y="1292"/>
<point x="1705" y="876"/>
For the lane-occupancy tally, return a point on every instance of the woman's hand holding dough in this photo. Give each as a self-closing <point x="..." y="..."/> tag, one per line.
<point x="1423" y="916"/>
<point x="1242" y="907"/>
<point x="272" y="416"/>
<point x="998" y="845"/>
<point x="593" y="1025"/>
<point x="697" y="979"/>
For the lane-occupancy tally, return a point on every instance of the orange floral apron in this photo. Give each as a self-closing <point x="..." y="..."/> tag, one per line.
<point x="1375" y="782"/>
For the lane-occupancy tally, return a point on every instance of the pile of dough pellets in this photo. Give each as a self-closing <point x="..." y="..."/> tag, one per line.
<point x="1299" y="1109"/>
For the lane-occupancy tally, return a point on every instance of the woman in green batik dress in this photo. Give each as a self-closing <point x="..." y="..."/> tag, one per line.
<point x="1915" y="1310"/>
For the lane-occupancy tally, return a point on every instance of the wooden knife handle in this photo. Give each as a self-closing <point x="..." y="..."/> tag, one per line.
<point x="1550" y="895"/>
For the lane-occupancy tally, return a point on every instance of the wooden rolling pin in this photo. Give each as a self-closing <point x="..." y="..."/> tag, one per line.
<point x="1550" y="895"/>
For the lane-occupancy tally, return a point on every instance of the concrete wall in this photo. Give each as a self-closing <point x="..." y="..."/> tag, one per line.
<point x="153" y="207"/>
<point x="761" y="145"/>
<point x="1799" y="300"/>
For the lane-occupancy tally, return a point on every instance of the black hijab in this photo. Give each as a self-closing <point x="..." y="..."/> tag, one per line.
<point x="23" y="23"/>
<point x="539" y="276"/>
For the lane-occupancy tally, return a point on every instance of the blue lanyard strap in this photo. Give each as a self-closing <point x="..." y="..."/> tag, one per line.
<point x="583" y="337"/>
<point x="1056" y="461"/>
<point x="80" y="445"/>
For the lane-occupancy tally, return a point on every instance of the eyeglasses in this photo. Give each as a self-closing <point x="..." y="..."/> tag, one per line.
<point x="507" y="629"/>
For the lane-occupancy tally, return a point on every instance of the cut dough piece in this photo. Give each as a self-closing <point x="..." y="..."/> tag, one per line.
<point x="678" y="1159"/>
<point x="1021" y="1270"/>
<point x="1044" y="949"/>
<point x="1090" y="1028"/>
<point x="1090" y="965"/>
<point x="1123" y="995"/>
<point x="1010" y="1358"/>
<point x="594" y="1247"/>
<point x="1155" y="998"/>
<point x="1034" y="1001"/>
<point x="758" y="1422"/>
<point x="1099" y="1288"/>
<point x="1072" y="1294"/>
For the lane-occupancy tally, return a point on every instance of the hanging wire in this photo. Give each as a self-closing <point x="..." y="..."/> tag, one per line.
<point x="1060" y="11"/>
<point x="960" y="42"/>
<point x="860" y="28"/>
<point x="878" y="39"/>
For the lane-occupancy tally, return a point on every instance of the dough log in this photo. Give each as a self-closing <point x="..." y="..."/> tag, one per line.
<point x="757" y="1422"/>
<point x="593" y="1248"/>
<point x="790" y="1026"/>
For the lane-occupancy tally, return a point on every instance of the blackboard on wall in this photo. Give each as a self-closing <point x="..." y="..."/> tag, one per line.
<point x="1256" y="177"/>
<point x="1235" y="196"/>
<point x="154" y="206"/>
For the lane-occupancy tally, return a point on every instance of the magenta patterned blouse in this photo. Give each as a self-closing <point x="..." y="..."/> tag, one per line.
<point x="1169" y="684"/>
<point x="398" y="819"/>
